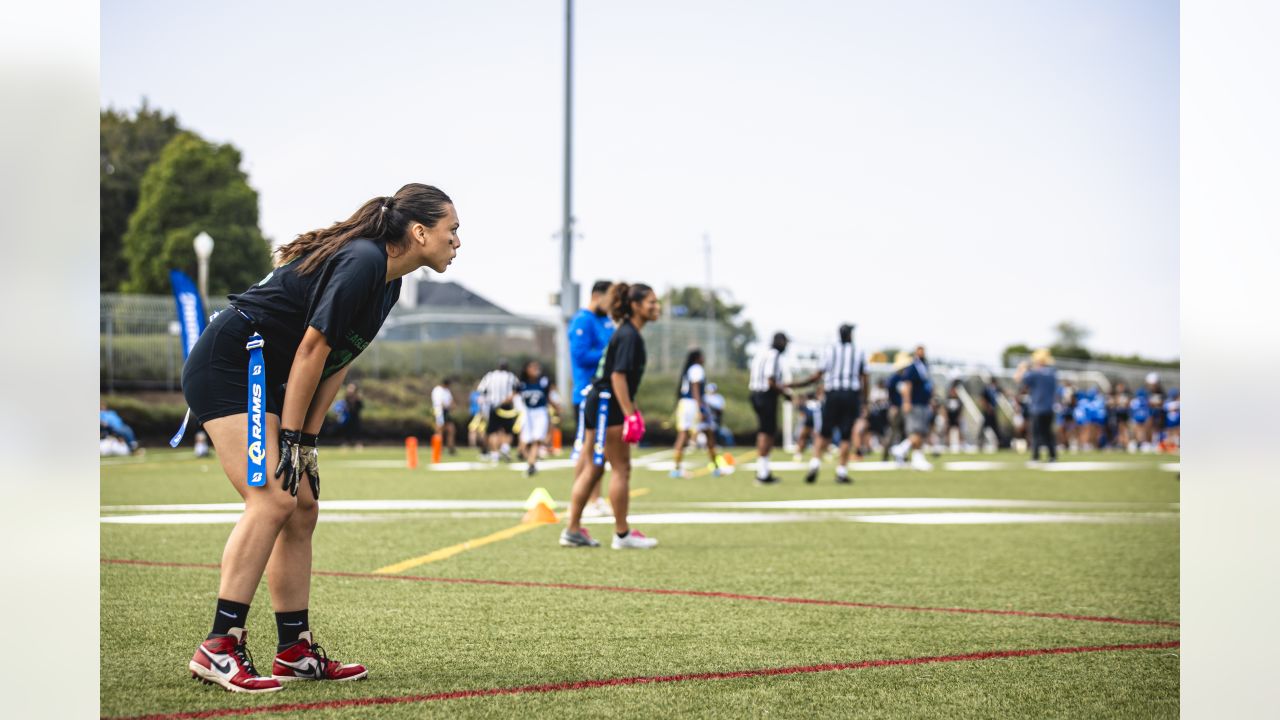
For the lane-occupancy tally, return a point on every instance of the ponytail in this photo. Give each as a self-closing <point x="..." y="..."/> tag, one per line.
<point x="622" y="296"/>
<point x="383" y="219"/>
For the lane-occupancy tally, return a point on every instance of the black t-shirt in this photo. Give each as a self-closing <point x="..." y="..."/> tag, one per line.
<point x="624" y="354"/>
<point x="347" y="299"/>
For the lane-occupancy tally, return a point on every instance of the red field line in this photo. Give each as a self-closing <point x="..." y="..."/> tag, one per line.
<point x="642" y="680"/>
<point x="689" y="593"/>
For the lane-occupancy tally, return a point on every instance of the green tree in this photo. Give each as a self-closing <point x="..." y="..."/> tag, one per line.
<point x="128" y="144"/>
<point x="695" y="304"/>
<point x="193" y="186"/>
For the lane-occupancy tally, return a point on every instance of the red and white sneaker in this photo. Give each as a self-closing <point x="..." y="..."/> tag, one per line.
<point x="224" y="660"/>
<point x="305" y="660"/>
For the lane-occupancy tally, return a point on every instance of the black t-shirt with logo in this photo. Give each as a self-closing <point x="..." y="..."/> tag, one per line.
<point x="347" y="299"/>
<point x="625" y="354"/>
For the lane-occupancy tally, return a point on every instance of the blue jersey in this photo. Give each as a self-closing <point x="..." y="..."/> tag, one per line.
<point x="1172" y="414"/>
<point x="534" y="394"/>
<point x="1140" y="409"/>
<point x="475" y="402"/>
<point x="589" y="335"/>
<point x="917" y="373"/>
<point x="891" y="384"/>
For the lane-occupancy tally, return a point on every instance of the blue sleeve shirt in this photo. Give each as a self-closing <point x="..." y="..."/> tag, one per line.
<point x="588" y="337"/>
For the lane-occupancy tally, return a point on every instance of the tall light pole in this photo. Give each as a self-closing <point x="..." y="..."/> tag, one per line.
<point x="568" y="290"/>
<point x="204" y="248"/>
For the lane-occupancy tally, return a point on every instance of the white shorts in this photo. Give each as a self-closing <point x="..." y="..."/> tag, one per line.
<point x="688" y="417"/>
<point x="537" y="422"/>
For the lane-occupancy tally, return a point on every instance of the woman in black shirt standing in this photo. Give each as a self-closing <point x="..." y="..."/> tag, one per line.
<point x="285" y="344"/>
<point x="618" y="379"/>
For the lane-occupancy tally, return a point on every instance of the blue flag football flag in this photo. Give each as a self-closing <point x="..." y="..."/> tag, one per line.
<point x="191" y="317"/>
<point x="192" y="320"/>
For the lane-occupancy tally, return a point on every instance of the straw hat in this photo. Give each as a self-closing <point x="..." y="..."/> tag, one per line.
<point x="901" y="360"/>
<point x="1042" y="356"/>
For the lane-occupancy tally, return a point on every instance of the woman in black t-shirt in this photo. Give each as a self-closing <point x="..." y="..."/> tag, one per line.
<point x="619" y="373"/>
<point x="311" y="316"/>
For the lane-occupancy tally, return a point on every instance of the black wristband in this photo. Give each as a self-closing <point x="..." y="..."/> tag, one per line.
<point x="292" y="436"/>
<point x="308" y="439"/>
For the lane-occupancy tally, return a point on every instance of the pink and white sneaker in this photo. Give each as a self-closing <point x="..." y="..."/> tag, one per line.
<point x="633" y="540"/>
<point x="305" y="660"/>
<point x="224" y="660"/>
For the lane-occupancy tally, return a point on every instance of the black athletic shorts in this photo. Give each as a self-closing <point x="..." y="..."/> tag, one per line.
<point x="840" y="410"/>
<point x="765" y="403"/>
<point x="498" y="422"/>
<point x="215" y="378"/>
<point x="592" y="414"/>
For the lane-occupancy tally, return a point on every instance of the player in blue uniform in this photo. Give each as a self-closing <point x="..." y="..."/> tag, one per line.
<point x="535" y="395"/>
<point x="1173" y="420"/>
<point x="1140" y="414"/>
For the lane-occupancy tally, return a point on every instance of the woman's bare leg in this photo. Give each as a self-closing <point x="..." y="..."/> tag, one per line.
<point x="266" y="508"/>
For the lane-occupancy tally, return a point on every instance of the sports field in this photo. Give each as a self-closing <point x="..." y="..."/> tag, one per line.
<point x="981" y="589"/>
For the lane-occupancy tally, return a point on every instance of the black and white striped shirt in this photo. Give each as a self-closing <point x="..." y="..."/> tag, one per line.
<point x="765" y="365"/>
<point x="842" y="367"/>
<point x="497" y="386"/>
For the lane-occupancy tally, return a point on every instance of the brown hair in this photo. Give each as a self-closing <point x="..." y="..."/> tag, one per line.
<point x="382" y="219"/>
<point x="622" y="295"/>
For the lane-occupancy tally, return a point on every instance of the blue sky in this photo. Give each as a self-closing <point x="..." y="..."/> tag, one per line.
<point x="963" y="174"/>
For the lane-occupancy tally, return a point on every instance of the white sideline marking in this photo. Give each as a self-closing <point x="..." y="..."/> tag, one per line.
<point x="966" y="465"/>
<point x="1004" y="518"/>
<point x="521" y="466"/>
<point x="1171" y="467"/>
<point x="350" y="505"/>
<point x="816" y="504"/>
<point x="916" y="504"/>
<point x="216" y="519"/>
<point x="369" y="463"/>
<point x="728" y="518"/>
<point x="1084" y="466"/>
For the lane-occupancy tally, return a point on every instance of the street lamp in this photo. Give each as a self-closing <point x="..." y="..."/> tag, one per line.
<point x="204" y="248"/>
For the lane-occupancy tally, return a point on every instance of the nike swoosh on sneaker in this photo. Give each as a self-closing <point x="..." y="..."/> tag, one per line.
<point x="224" y="668"/>
<point x="305" y="666"/>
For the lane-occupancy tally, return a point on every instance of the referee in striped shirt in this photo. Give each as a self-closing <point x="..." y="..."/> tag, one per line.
<point x="765" y="386"/>
<point x="499" y="388"/>
<point x="844" y="378"/>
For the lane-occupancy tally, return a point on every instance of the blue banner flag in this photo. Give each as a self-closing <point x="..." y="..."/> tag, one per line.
<point x="191" y="317"/>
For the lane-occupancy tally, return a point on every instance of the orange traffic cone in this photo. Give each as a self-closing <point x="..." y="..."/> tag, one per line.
<point x="411" y="451"/>
<point x="556" y="439"/>
<point x="540" y="513"/>
<point x="437" y="448"/>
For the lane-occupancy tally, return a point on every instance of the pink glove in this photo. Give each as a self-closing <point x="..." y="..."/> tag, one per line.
<point x="633" y="428"/>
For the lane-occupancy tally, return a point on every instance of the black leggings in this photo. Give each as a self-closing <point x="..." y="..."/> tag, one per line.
<point x="1042" y="434"/>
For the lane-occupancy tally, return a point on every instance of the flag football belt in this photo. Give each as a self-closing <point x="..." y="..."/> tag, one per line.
<point x="582" y="424"/>
<point x="256" y="452"/>
<point x="602" y="424"/>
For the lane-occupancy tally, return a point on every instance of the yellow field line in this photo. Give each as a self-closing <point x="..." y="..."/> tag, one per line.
<point x="707" y="471"/>
<point x="452" y="550"/>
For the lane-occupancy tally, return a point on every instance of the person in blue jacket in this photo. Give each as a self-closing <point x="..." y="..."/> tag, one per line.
<point x="589" y="334"/>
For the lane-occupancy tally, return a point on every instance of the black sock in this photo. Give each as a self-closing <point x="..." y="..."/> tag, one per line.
<point x="623" y="534"/>
<point x="290" y="625"/>
<point x="228" y="615"/>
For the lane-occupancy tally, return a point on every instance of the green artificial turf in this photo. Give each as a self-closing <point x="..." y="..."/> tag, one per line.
<point x="432" y="637"/>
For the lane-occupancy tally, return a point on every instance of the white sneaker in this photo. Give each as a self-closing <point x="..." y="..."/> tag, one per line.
<point x="918" y="462"/>
<point x="597" y="509"/>
<point x="634" y="540"/>
<point x="899" y="457"/>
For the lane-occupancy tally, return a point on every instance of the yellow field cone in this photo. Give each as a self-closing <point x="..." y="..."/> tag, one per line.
<point x="541" y="513"/>
<point x="539" y="496"/>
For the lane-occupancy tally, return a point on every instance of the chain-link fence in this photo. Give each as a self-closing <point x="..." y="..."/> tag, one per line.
<point x="141" y="348"/>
